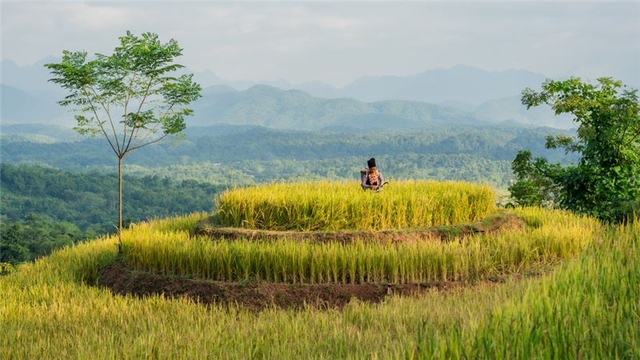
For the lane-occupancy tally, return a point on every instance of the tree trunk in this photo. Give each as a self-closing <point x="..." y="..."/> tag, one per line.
<point x="120" y="204"/>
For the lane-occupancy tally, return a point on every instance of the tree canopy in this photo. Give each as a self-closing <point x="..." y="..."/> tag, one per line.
<point x="605" y="182"/>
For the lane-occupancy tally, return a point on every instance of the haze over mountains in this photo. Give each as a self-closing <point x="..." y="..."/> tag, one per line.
<point x="458" y="95"/>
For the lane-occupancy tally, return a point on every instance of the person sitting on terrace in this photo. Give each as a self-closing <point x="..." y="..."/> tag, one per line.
<point x="371" y="178"/>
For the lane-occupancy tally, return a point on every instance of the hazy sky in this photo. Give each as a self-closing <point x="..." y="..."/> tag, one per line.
<point x="337" y="42"/>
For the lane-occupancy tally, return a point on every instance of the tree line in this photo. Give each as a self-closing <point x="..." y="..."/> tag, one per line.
<point x="248" y="155"/>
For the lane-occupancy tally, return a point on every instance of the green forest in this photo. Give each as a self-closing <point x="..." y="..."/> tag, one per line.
<point x="248" y="155"/>
<point x="44" y="208"/>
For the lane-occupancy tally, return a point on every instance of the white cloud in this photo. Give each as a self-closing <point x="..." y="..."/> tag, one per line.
<point x="96" y="18"/>
<point x="338" y="42"/>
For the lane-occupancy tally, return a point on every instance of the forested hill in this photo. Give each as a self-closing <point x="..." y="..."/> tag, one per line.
<point x="249" y="154"/>
<point x="45" y="208"/>
<point x="90" y="200"/>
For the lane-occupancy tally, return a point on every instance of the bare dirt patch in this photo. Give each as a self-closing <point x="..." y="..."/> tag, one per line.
<point x="253" y="295"/>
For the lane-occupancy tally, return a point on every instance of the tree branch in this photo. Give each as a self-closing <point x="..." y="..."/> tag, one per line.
<point x="104" y="132"/>
<point x="148" y="143"/>
<point x="135" y="129"/>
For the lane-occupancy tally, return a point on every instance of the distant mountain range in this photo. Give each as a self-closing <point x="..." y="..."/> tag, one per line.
<point x="294" y="109"/>
<point x="459" y="95"/>
<point x="458" y="84"/>
<point x="24" y="106"/>
<point x="463" y="84"/>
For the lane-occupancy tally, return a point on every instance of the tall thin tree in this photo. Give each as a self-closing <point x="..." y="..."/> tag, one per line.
<point x="132" y="97"/>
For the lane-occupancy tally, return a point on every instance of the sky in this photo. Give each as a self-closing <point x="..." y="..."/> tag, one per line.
<point x="337" y="42"/>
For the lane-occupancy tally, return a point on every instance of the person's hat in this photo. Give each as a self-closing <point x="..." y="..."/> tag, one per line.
<point x="371" y="163"/>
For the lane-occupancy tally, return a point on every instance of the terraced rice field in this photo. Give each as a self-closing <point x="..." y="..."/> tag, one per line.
<point x="517" y="284"/>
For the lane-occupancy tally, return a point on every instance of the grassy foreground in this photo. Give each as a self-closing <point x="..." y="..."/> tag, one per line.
<point x="587" y="308"/>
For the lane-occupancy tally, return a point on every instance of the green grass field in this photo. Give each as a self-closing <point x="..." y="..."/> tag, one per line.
<point x="583" y="305"/>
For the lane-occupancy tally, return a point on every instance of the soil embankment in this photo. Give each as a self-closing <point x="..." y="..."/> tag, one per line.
<point x="253" y="295"/>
